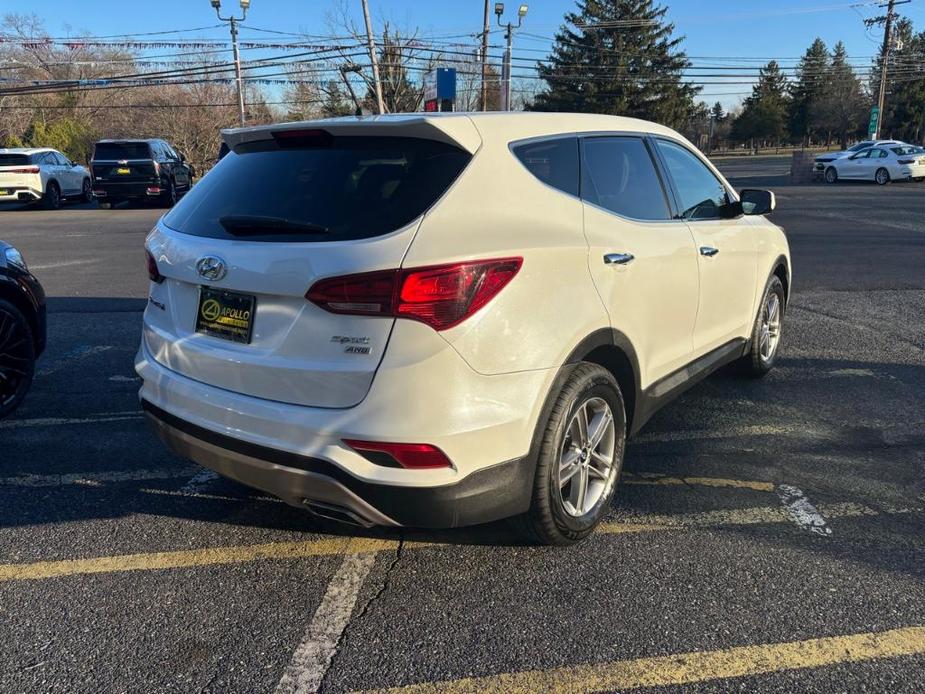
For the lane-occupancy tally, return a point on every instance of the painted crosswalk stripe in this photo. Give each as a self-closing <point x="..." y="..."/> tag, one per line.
<point x="687" y="668"/>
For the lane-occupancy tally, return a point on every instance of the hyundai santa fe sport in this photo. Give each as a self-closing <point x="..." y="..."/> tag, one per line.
<point x="442" y="320"/>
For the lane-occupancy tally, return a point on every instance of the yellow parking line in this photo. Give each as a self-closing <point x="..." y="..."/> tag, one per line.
<point x="193" y="557"/>
<point x="647" y="479"/>
<point x="358" y="545"/>
<point x="687" y="668"/>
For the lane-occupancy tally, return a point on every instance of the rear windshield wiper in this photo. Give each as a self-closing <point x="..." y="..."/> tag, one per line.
<point x="255" y="224"/>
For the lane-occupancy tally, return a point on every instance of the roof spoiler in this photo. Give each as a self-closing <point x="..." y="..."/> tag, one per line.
<point x="459" y="131"/>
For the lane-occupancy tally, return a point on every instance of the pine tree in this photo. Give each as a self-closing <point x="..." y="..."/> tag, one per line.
<point x="717" y="113"/>
<point x="764" y="114"/>
<point x="843" y="108"/>
<point x="808" y="90"/>
<point x="618" y="57"/>
<point x="904" y="115"/>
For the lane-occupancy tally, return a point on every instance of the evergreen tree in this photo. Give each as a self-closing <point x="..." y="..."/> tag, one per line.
<point x="808" y="90"/>
<point x="764" y="114"/>
<point x="618" y="57"/>
<point x="717" y="113"/>
<point x="844" y="107"/>
<point x="904" y="115"/>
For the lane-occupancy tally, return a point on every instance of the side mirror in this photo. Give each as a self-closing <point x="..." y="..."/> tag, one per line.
<point x="757" y="202"/>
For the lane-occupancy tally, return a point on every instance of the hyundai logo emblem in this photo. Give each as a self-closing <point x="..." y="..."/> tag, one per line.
<point x="211" y="268"/>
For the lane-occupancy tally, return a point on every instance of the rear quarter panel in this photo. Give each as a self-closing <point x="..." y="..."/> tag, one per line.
<point x="499" y="209"/>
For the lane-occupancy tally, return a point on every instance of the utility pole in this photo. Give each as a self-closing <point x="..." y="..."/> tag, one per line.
<point x="353" y="95"/>
<point x="887" y="22"/>
<point x="373" y="57"/>
<point x="245" y="4"/>
<point x="485" y="30"/>
<point x="508" y="53"/>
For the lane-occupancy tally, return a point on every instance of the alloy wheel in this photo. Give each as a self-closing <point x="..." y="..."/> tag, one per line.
<point x="770" y="327"/>
<point x="883" y="177"/>
<point x="15" y="356"/>
<point x="586" y="471"/>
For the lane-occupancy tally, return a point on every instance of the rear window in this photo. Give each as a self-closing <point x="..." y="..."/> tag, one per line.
<point x="13" y="159"/>
<point x="343" y="188"/>
<point x="116" y="151"/>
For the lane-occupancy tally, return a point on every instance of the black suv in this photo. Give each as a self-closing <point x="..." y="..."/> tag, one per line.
<point x="139" y="170"/>
<point x="22" y="327"/>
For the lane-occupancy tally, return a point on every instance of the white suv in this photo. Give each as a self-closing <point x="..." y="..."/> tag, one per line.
<point x="441" y="320"/>
<point x="42" y="175"/>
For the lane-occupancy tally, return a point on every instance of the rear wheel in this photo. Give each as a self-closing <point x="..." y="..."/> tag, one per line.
<point x="17" y="357"/>
<point x="86" y="191"/>
<point x="170" y="196"/>
<point x="766" y="333"/>
<point x="882" y="177"/>
<point x="580" y="458"/>
<point x="52" y="198"/>
<point x="831" y="175"/>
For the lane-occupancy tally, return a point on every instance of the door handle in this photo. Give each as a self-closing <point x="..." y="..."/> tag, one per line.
<point x="708" y="251"/>
<point x="619" y="258"/>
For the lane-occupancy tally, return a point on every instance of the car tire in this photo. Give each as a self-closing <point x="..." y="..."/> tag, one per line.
<point x="764" y="343"/>
<point x="882" y="177"/>
<point x="831" y="175"/>
<point x="52" y="198"/>
<point x="561" y="510"/>
<point x="86" y="194"/>
<point x="170" y="197"/>
<point x="17" y="357"/>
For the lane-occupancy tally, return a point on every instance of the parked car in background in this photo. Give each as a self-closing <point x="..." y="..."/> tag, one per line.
<point x="882" y="164"/>
<point x="42" y="175"/>
<point x="140" y="170"/>
<point x="442" y="320"/>
<point x="823" y="160"/>
<point x="22" y="327"/>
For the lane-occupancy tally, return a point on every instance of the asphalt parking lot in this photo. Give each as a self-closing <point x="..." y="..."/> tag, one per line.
<point x="768" y="536"/>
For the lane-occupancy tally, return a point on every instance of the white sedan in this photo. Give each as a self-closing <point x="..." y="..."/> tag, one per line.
<point x="42" y="175"/>
<point x="879" y="164"/>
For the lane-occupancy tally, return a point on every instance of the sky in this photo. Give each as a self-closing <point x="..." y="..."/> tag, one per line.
<point x="714" y="31"/>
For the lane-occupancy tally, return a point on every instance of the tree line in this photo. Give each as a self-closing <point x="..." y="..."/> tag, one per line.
<point x="621" y="57"/>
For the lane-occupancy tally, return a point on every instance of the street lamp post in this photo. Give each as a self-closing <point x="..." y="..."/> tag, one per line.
<point x="245" y="4"/>
<point x="508" y="53"/>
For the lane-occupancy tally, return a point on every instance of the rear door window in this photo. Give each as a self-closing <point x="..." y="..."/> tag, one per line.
<point x="117" y="151"/>
<point x="619" y="175"/>
<point x="331" y="190"/>
<point x="554" y="162"/>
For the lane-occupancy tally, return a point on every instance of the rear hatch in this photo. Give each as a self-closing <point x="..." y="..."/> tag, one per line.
<point x="123" y="162"/>
<point x="17" y="171"/>
<point x="278" y="213"/>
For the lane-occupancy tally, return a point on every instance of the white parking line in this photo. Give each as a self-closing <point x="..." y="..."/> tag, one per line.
<point x="313" y="656"/>
<point x="95" y="479"/>
<point x="199" y="481"/>
<point x="59" y="421"/>
<point x="76" y="354"/>
<point x="801" y="511"/>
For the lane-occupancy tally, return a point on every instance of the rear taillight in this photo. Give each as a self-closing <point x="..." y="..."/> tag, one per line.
<point x="906" y="162"/>
<point x="412" y="456"/>
<point x="153" y="273"/>
<point x="24" y="170"/>
<point x="442" y="296"/>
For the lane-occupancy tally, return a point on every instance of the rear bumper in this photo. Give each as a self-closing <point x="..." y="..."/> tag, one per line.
<point x="489" y="494"/>
<point x="20" y="194"/>
<point x="107" y="190"/>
